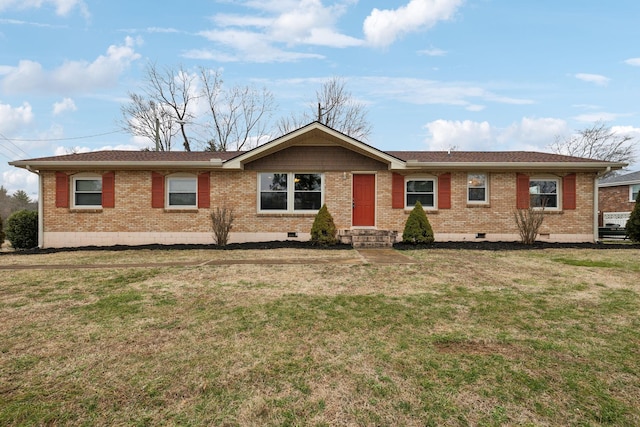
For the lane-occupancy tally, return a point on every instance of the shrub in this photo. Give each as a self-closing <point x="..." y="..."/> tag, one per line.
<point x="324" y="230"/>
<point x="22" y="229"/>
<point x="528" y="221"/>
<point x="417" y="229"/>
<point x="1" y="232"/>
<point x="633" y="224"/>
<point x="221" y="223"/>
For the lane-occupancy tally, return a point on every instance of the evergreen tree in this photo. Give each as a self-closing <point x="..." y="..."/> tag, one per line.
<point x="418" y="229"/>
<point x="633" y="224"/>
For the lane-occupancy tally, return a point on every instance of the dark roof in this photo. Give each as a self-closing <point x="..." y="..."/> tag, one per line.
<point x="420" y="156"/>
<point x="141" y="156"/>
<point x="621" y="179"/>
<point x="487" y="157"/>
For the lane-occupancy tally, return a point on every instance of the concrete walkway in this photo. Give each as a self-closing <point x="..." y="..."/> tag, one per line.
<point x="366" y="256"/>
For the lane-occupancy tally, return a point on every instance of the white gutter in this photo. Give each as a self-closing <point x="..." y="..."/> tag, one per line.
<point x="594" y="166"/>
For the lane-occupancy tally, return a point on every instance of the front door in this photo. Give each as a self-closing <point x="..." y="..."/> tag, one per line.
<point x="364" y="200"/>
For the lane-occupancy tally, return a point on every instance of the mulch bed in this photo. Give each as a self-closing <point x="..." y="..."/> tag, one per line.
<point x="292" y="244"/>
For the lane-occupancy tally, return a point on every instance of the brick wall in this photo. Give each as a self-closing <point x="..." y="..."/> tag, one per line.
<point x="238" y="190"/>
<point x="495" y="217"/>
<point x="614" y="199"/>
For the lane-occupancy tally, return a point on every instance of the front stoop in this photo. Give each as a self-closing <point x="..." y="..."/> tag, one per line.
<point x="368" y="238"/>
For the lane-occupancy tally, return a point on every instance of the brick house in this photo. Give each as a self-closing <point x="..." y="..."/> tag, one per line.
<point x="127" y="197"/>
<point x="616" y="198"/>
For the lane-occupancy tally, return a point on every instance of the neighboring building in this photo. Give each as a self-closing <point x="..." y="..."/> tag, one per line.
<point x="616" y="198"/>
<point x="276" y="189"/>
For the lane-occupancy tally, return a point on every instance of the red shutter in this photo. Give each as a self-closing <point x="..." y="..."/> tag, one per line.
<point x="108" y="190"/>
<point x="569" y="191"/>
<point x="397" y="191"/>
<point x="444" y="191"/>
<point x="522" y="191"/>
<point x="157" y="190"/>
<point x="62" y="190"/>
<point x="203" y="190"/>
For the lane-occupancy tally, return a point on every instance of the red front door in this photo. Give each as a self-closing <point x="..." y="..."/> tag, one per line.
<point x="364" y="201"/>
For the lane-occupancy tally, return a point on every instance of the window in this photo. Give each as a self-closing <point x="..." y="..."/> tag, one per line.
<point x="307" y="192"/>
<point x="420" y="190"/>
<point x="543" y="193"/>
<point x="477" y="188"/>
<point x="276" y="193"/>
<point x="87" y="192"/>
<point x="181" y="192"/>
<point x="633" y="192"/>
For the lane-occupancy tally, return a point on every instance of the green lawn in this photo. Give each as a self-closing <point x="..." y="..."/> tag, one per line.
<point x="540" y="337"/>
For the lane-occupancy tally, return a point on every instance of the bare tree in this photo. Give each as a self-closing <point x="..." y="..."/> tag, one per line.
<point x="173" y="89"/>
<point x="240" y="114"/>
<point x="171" y="97"/>
<point x="598" y="141"/>
<point x="335" y="107"/>
<point x="144" y="117"/>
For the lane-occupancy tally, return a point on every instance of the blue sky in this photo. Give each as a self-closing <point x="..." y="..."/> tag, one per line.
<point x="434" y="74"/>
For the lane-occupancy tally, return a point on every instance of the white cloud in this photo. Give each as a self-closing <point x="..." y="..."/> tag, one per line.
<point x="12" y="118"/>
<point x="16" y="179"/>
<point x="72" y="76"/>
<point x="247" y="46"/>
<point x="633" y="61"/>
<point x="530" y="134"/>
<point x="601" y="116"/>
<point x="463" y="135"/>
<point x="383" y="27"/>
<point x="429" y="92"/>
<point x="432" y="52"/>
<point x="62" y="7"/>
<point x="66" y="104"/>
<point x="593" y="78"/>
<point x="270" y="35"/>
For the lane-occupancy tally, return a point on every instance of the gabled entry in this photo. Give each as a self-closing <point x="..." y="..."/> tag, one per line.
<point x="364" y="200"/>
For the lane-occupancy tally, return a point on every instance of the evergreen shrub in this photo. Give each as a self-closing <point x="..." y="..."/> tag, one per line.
<point x="324" y="230"/>
<point x="633" y="224"/>
<point x="417" y="228"/>
<point x="22" y="229"/>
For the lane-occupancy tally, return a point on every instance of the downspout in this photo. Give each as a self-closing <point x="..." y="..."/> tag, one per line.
<point x="40" y="207"/>
<point x="596" y="207"/>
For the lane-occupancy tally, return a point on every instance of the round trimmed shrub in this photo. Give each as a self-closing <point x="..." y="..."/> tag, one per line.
<point x="417" y="228"/>
<point x="22" y="229"/>
<point x="324" y="230"/>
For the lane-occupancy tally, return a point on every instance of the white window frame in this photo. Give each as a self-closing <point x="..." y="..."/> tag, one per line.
<point x="290" y="193"/>
<point x="85" y="177"/>
<point x="633" y="187"/>
<point x="421" y="178"/>
<point x="558" y="182"/>
<point x="168" y="192"/>
<point x="485" y="187"/>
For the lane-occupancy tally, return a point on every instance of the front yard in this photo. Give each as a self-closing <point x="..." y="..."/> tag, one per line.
<point x="462" y="337"/>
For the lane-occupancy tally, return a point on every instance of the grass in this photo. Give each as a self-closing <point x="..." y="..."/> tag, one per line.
<point x="541" y="337"/>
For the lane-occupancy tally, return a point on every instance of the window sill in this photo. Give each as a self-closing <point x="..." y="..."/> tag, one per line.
<point x="551" y="212"/>
<point x="407" y="211"/>
<point x="478" y="205"/>
<point x="287" y="214"/>
<point x="188" y="210"/>
<point x="86" y="210"/>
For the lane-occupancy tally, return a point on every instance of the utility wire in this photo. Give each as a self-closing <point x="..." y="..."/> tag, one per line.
<point x="62" y="139"/>
<point x="12" y="143"/>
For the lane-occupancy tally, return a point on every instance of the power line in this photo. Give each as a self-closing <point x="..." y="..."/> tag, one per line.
<point x="11" y="142"/>
<point x="62" y="139"/>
